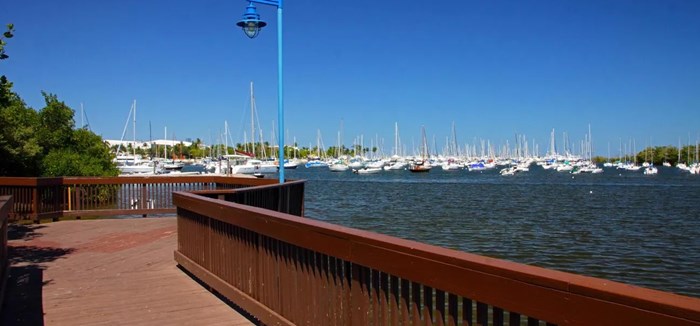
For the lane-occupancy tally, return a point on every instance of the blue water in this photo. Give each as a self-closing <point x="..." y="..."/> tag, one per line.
<point x="619" y="225"/>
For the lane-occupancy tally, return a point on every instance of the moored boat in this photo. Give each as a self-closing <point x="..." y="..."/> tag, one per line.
<point x="367" y="170"/>
<point x="419" y="166"/>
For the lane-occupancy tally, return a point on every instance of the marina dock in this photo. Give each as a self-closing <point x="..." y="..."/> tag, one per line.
<point x="110" y="271"/>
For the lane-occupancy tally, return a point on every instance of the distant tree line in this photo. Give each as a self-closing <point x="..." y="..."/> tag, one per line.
<point x="46" y="142"/>
<point x="657" y="155"/>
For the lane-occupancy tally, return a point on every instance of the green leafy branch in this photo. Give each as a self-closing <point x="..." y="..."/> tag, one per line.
<point x="6" y="35"/>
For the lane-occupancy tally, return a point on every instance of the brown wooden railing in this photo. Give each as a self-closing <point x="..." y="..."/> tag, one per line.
<point x="284" y="269"/>
<point x="37" y="198"/>
<point x="5" y="206"/>
<point x="287" y="198"/>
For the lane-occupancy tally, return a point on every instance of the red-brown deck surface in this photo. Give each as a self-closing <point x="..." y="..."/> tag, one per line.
<point x="115" y="272"/>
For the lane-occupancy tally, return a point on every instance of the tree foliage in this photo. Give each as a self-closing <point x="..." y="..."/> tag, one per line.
<point x="5" y="85"/>
<point x="46" y="143"/>
<point x="19" y="146"/>
<point x="6" y="35"/>
<point x="55" y="123"/>
<point x="88" y="156"/>
<point x="660" y="154"/>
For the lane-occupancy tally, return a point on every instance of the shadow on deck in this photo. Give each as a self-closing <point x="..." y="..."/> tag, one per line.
<point x="25" y="281"/>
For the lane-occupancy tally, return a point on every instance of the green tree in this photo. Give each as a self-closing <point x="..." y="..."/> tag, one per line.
<point x="6" y="35"/>
<point x="88" y="155"/>
<point x="45" y="144"/>
<point x="197" y="150"/>
<point x="19" y="145"/>
<point x="56" y="123"/>
<point x="6" y="95"/>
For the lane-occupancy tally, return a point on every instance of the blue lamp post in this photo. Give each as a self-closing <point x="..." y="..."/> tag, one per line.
<point x="251" y="25"/>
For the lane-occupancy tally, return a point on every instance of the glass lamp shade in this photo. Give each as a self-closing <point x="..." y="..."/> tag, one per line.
<point x="251" y="23"/>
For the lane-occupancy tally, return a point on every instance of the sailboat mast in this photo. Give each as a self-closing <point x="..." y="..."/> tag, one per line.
<point x="396" y="138"/>
<point x="134" y="129"/>
<point x="226" y="136"/>
<point x="552" y="145"/>
<point x="590" y="143"/>
<point x="318" y="143"/>
<point x="252" y="118"/>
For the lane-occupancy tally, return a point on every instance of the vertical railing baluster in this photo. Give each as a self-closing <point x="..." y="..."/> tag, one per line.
<point x="532" y="321"/>
<point x="264" y="271"/>
<point x="384" y="298"/>
<point x="453" y="312"/>
<point x="324" y="290"/>
<point x="334" y="291"/>
<point x="482" y="314"/>
<point x="497" y="316"/>
<point x="348" y="307"/>
<point x="286" y="281"/>
<point x="299" y="284"/>
<point x="375" y="310"/>
<point x="359" y="296"/>
<point x="405" y="301"/>
<point x="439" y="307"/>
<point x="313" y="286"/>
<point x="428" y="309"/>
<point x="394" y="300"/>
<point x="366" y="285"/>
<point x="513" y="318"/>
<point x="35" y="204"/>
<point x="467" y="314"/>
<point x="416" y="303"/>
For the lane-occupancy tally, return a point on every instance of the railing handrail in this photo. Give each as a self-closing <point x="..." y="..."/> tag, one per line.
<point x="488" y="278"/>
<point x="53" y="197"/>
<point x="50" y="181"/>
<point x="30" y="181"/>
<point x="246" y="189"/>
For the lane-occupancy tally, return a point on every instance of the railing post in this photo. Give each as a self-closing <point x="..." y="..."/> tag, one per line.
<point x="279" y="198"/>
<point x="207" y="260"/>
<point x="144" y="196"/>
<point x="35" y="204"/>
<point x="77" y="205"/>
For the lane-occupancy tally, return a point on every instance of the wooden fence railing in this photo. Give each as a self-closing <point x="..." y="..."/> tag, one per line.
<point x="287" y="198"/>
<point x="288" y="270"/>
<point x="5" y="206"/>
<point x="37" y="198"/>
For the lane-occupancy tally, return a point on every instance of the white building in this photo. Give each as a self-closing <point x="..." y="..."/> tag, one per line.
<point x="146" y="144"/>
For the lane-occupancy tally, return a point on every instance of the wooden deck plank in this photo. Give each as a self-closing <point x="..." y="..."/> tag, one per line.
<point x="116" y="271"/>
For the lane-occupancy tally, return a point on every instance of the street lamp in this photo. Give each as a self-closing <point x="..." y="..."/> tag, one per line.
<point x="251" y="25"/>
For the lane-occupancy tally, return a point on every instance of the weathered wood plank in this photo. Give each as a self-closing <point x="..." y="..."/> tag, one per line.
<point x="111" y="272"/>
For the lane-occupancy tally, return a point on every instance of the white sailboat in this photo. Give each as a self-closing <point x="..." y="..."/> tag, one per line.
<point x="133" y="163"/>
<point x="338" y="166"/>
<point x="243" y="164"/>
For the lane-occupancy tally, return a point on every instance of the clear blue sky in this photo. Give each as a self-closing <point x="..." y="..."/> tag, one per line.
<point x="496" y="68"/>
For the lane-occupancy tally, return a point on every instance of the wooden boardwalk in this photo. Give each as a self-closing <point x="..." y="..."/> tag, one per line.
<point x="105" y="272"/>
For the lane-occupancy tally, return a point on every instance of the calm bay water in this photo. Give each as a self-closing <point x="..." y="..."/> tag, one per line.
<point x="619" y="225"/>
